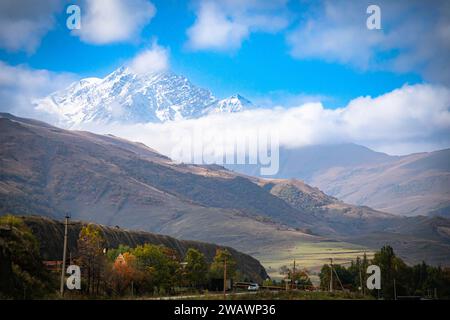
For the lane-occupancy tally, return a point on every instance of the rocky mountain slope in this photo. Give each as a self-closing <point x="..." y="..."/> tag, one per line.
<point x="49" y="171"/>
<point x="415" y="239"/>
<point x="343" y="218"/>
<point x="416" y="184"/>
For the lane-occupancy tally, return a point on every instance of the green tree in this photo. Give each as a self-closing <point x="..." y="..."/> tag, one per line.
<point x="196" y="268"/>
<point x="301" y="279"/>
<point x="91" y="257"/>
<point x="218" y="264"/>
<point x="358" y="274"/>
<point x="341" y="277"/>
<point x="22" y="274"/>
<point x="113" y="253"/>
<point x="160" y="266"/>
<point x="420" y="280"/>
<point x="392" y="268"/>
<point x="324" y="276"/>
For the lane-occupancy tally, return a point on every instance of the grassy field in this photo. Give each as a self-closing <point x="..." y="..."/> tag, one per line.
<point x="312" y="256"/>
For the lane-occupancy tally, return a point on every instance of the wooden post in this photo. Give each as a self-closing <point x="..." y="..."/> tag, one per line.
<point x="331" y="275"/>
<point x="395" y="290"/>
<point x="63" y="269"/>
<point x="225" y="278"/>
<point x="293" y="277"/>
<point x="360" y="279"/>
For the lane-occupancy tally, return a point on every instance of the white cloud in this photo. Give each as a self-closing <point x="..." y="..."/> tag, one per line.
<point x="155" y="59"/>
<point x="214" y="30"/>
<point x="223" y="25"/>
<point x="20" y="84"/>
<point x="415" y="36"/>
<point x="288" y="99"/>
<point x="109" y="21"/>
<point x="405" y="120"/>
<point x="24" y="23"/>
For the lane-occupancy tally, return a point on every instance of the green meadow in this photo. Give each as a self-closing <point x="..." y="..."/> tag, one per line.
<point x="312" y="256"/>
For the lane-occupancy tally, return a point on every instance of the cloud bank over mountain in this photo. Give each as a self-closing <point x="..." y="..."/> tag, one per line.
<point x="20" y="84"/>
<point x="410" y="119"/>
<point x="413" y="118"/>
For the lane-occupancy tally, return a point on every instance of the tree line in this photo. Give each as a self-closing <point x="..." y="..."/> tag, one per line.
<point x="146" y="269"/>
<point x="397" y="278"/>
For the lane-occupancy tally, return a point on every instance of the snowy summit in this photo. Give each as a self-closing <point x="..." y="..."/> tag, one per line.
<point x="127" y="97"/>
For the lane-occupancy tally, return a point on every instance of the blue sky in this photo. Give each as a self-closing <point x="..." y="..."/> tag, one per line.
<point x="261" y="66"/>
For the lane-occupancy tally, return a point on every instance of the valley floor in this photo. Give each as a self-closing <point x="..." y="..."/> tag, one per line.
<point x="310" y="256"/>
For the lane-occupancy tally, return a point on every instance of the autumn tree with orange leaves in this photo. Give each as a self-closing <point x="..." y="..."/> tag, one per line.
<point x="124" y="272"/>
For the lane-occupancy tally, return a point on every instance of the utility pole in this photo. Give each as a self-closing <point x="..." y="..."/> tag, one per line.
<point x="331" y="275"/>
<point x="293" y="276"/>
<point x="360" y="280"/>
<point x="395" y="286"/>
<point x="395" y="291"/>
<point x="225" y="278"/>
<point x="63" y="269"/>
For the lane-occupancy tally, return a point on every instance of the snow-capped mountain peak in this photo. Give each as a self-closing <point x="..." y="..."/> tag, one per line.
<point x="127" y="97"/>
<point x="234" y="103"/>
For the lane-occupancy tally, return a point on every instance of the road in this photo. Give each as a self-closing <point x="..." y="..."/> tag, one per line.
<point x="196" y="296"/>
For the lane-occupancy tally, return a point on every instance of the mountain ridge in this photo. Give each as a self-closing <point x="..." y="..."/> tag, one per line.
<point x="415" y="184"/>
<point x="97" y="178"/>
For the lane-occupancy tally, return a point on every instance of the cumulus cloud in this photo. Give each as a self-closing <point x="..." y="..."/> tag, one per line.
<point x="109" y="21"/>
<point x="24" y="23"/>
<point x="415" y="36"/>
<point x="409" y="119"/>
<point x="19" y="85"/>
<point x="223" y="25"/>
<point x="154" y="59"/>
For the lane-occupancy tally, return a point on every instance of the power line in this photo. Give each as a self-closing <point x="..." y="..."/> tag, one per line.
<point x="342" y="287"/>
